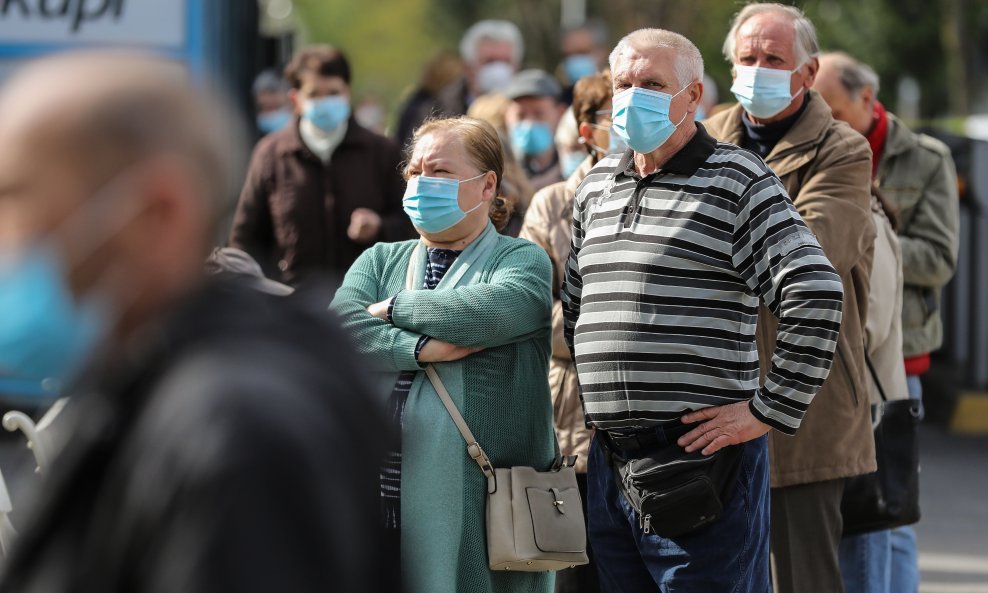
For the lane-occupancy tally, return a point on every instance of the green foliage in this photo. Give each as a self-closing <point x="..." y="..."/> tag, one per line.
<point x="388" y="41"/>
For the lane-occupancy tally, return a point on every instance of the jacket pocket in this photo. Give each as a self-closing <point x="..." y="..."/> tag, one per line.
<point x="839" y="361"/>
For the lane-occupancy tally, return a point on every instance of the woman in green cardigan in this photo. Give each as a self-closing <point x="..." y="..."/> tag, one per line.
<point x="477" y="306"/>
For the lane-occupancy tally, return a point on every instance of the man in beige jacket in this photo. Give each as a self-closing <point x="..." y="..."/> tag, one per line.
<point x="826" y="169"/>
<point x="548" y="223"/>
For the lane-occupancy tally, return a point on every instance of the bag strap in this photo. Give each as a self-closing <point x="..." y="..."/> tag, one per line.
<point x="874" y="377"/>
<point x="474" y="450"/>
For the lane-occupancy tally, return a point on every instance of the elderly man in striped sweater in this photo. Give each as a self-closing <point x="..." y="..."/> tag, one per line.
<point x="676" y="242"/>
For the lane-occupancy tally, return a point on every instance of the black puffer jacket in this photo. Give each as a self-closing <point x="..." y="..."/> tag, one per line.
<point x="231" y="449"/>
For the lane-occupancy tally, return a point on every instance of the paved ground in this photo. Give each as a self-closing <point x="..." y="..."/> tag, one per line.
<point x="953" y="535"/>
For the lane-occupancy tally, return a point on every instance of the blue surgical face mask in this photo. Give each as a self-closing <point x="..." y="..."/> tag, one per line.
<point x="641" y="118"/>
<point x="763" y="92"/>
<point x="531" y="138"/>
<point x="272" y="121"/>
<point x="615" y="145"/>
<point x="327" y="113"/>
<point x="579" y="65"/>
<point x="433" y="203"/>
<point x="569" y="162"/>
<point x="46" y="335"/>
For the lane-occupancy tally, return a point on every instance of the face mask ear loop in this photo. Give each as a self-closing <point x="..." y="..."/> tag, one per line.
<point x="465" y="212"/>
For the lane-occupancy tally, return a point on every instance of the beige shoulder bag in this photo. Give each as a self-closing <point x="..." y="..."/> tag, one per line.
<point x="534" y="519"/>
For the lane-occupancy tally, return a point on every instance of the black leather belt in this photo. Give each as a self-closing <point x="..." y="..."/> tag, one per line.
<point x="628" y="445"/>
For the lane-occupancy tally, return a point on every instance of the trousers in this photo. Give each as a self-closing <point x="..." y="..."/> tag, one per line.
<point x="729" y="555"/>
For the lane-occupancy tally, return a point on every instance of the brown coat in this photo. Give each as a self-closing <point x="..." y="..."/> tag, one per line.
<point x="294" y="210"/>
<point x="549" y="224"/>
<point x="826" y="169"/>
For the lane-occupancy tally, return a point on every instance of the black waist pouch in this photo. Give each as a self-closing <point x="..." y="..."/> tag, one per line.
<point x="675" y="492"/>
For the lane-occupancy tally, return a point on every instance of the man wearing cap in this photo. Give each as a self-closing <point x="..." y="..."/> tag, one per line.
<point x="531" y="119"/>
<point x="676" y="242"/>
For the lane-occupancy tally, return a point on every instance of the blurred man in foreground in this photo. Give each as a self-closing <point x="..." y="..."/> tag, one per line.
<point x="210" y="448"/>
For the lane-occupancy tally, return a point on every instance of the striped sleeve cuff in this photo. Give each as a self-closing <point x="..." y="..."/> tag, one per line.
<point x="767" y="415"/>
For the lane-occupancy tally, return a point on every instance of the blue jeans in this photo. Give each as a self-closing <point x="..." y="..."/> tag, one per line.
<point x="729" y="555"/>
<point x="866" y="562"/>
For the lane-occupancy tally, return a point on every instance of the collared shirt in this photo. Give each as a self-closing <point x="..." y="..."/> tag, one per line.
<point x="321" y="143"/>
<point x="663" y="285"/>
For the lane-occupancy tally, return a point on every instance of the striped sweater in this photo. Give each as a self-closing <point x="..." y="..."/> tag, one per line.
<point x="663" y="285"/>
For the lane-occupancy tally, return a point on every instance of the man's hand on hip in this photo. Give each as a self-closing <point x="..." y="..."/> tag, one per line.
<point x="721" y="426"/>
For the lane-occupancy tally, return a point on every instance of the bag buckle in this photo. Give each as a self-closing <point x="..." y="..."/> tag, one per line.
<point x="557" y="501"/>
<point x="477" y="453"/>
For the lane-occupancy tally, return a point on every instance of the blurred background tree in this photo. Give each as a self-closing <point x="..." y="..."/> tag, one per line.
<point x="932" y="53"/>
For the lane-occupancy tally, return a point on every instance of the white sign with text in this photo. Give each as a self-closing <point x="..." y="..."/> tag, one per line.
<point x="154" y="23"/>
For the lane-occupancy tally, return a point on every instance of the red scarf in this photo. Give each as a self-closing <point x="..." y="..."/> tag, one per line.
<point x="877" y="135"/>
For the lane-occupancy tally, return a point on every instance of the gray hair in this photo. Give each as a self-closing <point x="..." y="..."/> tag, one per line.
<point x="689" y="61"/>
<point x="806" y="45"/>
<point x="491" y="30"/>
<point x="852" y="74"/>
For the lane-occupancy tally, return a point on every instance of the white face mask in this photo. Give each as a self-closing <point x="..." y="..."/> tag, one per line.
<point x="494" y="76"/>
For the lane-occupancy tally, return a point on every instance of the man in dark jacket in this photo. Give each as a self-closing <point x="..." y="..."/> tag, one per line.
<point x="213" y="442"/>
<point x="322" y="189"/>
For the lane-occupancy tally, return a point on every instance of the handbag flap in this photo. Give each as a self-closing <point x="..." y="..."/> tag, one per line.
<point x="557" y="518"/>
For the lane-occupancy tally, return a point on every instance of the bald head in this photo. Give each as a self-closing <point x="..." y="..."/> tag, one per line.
<point x="117" y="164"/>
<point x="97" y="113"/>
<point x="850" y="88"/>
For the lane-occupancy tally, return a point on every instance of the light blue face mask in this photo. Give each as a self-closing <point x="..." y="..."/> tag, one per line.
<point x="327" y="113"/>
<point x="433" y="203"/>
<point x="641" y="118"/>
<point x="45" y="335"/>
<point x="569" y="162"/>
<point x="273" y="121"/>
<point x="531" y="138"/>
<point x="579" y="65"/>
<point x="615" y="145"/>
<point x="763" y="92"/>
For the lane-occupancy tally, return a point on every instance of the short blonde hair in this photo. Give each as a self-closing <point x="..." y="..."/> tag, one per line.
<point x="483" y="147"/>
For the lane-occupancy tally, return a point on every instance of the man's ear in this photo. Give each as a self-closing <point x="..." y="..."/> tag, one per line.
<point x="867" y="94"/>
<point x="812" y="67"/>
<point x="696" y="95"/>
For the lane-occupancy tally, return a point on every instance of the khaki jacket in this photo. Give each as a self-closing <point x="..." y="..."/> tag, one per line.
<point x="883" y="333"/>
<point x="549" y="224"/>
<point x="826" y="169"/>
<point x="917" y="174"/>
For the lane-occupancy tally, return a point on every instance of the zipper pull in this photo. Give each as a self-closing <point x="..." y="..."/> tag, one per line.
<point x="646" y="524"/>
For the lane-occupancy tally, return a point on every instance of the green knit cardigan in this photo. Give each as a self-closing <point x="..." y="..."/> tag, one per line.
<point x="502" y="392"/>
